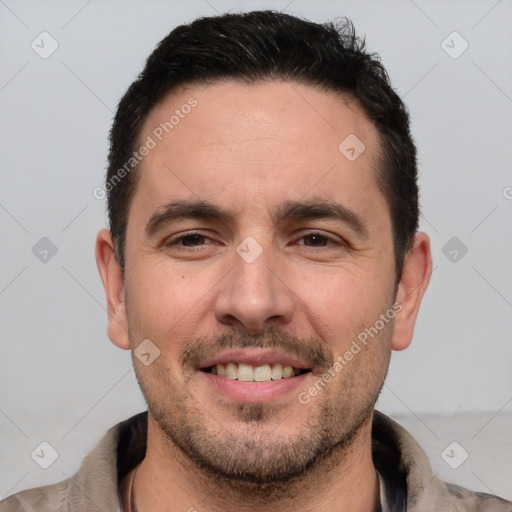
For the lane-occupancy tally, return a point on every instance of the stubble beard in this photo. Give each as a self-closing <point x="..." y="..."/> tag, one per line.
<point x="252" y="457"/>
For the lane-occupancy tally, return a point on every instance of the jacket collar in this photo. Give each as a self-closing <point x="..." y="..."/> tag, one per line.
<point x="396" y="454"/>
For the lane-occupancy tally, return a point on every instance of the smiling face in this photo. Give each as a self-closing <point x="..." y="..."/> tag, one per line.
<point x="256" y="253"/>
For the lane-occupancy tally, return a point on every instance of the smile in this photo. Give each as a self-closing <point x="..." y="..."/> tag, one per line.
<point x="260" y="373"/>
<point x="254" y="375"/>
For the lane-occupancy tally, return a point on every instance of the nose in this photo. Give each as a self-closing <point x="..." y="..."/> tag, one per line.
<point x="254" y="295"/>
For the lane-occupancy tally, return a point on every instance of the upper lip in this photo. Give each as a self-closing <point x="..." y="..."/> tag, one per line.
<point x="254" y="357"/>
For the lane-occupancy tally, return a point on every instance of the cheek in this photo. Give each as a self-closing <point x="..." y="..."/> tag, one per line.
<point x="166" y="301"/>
<point x="339" y="303"/>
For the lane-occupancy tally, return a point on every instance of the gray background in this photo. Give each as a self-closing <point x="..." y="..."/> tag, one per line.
<point x="61" y="381"/>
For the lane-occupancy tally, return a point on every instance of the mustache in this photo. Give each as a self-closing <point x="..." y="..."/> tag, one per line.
<point x="310" y="350"/>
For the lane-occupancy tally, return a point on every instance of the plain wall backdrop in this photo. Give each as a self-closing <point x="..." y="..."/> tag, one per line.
<point x="63" y="382"/>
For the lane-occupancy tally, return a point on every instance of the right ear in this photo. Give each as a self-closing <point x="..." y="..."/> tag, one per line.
<point x="113" y="282"/>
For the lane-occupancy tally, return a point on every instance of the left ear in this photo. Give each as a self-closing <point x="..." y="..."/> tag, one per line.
<point x="411" y="288"/>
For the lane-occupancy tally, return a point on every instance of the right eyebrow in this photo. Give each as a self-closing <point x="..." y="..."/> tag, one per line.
<point x="185" y="210"/>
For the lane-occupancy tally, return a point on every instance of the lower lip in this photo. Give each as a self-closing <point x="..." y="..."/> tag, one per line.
<point x="255" y="392"/>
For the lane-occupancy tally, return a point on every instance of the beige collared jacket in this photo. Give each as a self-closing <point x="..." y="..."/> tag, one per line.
<point x="95" y="487"/>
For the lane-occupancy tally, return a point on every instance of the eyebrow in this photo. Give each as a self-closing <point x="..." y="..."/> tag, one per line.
<point x="288" y="211"/>
<point x="176" y="210"/>
<point x="319" y="209"/>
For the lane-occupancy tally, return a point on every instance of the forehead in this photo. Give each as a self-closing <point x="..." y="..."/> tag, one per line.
<point x="231" y="111"/>
<point x="238" y="141"/>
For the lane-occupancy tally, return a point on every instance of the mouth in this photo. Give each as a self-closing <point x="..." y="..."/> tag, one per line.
<point x="254" y="373"/>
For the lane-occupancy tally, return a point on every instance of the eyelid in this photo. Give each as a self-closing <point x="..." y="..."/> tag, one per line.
<point x="329" y="236"/>
<point x="332" y="239"/>
<point x="174" y="240"/>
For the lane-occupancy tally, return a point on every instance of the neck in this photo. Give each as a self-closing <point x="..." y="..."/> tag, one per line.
<point x="346" y="480"/>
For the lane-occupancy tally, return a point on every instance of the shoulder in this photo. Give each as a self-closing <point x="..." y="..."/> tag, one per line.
<point x="49" y="498"/>
<point x="97" y="476"/>
<point x="397" y="454"/>
<point x="477" y="501"/>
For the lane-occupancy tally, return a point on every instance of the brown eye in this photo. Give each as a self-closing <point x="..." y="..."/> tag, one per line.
<point x="315" y="240"/>
<point x="192" y="240"/>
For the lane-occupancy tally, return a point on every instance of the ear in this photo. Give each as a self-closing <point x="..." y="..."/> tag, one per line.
<point x="411" y="288"/>
<point x="112" y="278"/>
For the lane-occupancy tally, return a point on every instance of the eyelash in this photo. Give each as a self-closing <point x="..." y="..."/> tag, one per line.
<point x="333" y="240"/>
<point x="175" y="241"/>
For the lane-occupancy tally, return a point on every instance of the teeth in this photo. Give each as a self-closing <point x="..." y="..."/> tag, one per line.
<point x="231" y="371"/>
<point x="245" y="372"/>
<point x="261" y="373"/>
<point x="287" y="372"/>
<point x="248" y="373"/>
<point x="277" y="372"/>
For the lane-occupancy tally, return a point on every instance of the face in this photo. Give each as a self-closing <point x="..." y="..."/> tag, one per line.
<point x="257" y="254"/>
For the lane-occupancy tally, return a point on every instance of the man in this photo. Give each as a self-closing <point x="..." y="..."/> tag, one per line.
<point x="262" y="262"/>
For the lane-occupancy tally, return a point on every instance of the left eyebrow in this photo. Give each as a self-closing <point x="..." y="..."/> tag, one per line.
<point x="176" y="210"/>
<point x="317" y="209"/>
